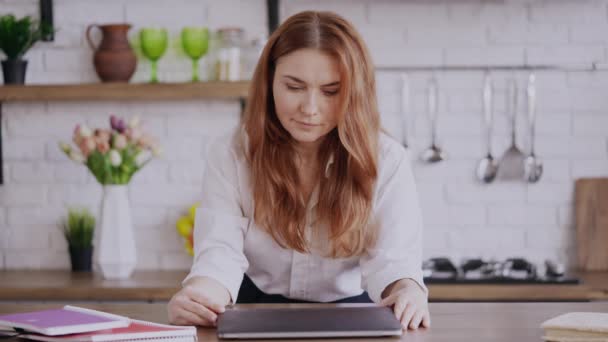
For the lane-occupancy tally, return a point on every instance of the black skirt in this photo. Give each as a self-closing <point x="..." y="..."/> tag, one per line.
<point x="249" y="293"/>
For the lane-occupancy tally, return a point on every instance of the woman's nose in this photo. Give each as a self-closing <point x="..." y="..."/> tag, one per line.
<point x="310" y="106"/>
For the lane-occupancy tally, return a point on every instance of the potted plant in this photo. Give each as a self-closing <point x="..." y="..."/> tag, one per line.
<point x="78" y="229"/>
<point x="16" y="37"/>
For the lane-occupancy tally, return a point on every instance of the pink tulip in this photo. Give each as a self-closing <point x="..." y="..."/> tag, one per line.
<point x="76" y="130"/>
<point x="103" y="147"/>
<point x="120" y="141"/>
<point x="102" y="135"/>
<point x="87" y="145"/>
<point x="77" y="137"/>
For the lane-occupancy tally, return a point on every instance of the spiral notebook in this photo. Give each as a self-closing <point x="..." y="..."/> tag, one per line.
<point x="136" y="331"/>
<point x="65" y="320"/>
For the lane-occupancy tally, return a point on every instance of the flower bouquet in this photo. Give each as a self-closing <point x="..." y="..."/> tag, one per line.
<point x="112" y="155"/>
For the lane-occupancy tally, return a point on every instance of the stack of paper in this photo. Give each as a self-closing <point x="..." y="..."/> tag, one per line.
<point x="577" y="327"/>
<point x="74" y="324"/>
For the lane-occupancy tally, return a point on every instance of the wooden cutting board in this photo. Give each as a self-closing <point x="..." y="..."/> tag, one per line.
<point x="591" y="215"/>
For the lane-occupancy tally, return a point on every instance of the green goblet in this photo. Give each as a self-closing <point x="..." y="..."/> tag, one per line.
<point x="154" y="43"/>
<point x="195" y="42"/>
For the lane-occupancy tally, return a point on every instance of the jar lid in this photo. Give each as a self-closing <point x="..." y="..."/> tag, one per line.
<point x="232" y="35"/>
<point x="230" y="29"/>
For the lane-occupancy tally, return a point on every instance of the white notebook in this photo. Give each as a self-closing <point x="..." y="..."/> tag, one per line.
<point x="577" y="327"/>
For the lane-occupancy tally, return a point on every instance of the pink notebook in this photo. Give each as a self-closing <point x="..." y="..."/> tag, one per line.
<point x="137" y="330"/>
<point x="66" y="320"/>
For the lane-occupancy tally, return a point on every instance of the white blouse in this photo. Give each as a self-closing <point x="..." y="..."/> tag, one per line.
<point x="228" y="243"/>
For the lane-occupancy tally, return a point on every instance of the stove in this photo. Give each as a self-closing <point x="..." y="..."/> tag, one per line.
<point x="442" y="270"/>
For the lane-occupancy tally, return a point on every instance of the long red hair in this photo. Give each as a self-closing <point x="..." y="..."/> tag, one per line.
<point x="345" y="193"/>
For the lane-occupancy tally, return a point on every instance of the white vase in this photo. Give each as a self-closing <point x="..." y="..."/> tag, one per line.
<point x="114" y="243"/>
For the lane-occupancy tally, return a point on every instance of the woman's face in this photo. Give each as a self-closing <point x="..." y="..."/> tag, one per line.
<point x="306" y="86"/>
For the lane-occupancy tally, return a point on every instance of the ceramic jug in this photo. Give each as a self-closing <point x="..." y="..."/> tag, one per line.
<point x="114" y="58"/>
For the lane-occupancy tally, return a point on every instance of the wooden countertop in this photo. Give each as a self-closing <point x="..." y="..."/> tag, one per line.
<point x="453" y="322"/>
<point x="161" y="285"/>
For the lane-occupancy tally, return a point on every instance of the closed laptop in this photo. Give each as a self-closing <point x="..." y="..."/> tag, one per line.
<point x="307" y="322"/>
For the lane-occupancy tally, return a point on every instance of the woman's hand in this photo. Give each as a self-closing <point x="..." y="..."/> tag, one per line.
<point x="409" y="303"/>
<point x="198" y="303"/>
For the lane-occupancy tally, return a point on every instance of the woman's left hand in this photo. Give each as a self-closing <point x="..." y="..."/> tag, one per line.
<point x="409" y="303"/>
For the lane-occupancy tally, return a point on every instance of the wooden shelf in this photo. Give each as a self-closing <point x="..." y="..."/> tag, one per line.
<point x="125" y="91"/>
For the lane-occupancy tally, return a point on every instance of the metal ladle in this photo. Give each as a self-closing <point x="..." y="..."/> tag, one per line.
<point x="487" y="167"/>
<point x="433" y="153"/>
<point x="511" y="166"/>
<point x="533" y="166"/>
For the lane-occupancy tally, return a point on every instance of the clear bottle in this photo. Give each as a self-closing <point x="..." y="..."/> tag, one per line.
<point x="229" y="56"/>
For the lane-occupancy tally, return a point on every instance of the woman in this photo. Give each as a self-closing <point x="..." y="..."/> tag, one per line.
<point x="309" y="198"/>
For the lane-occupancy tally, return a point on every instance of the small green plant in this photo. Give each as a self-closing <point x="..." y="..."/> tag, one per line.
<point x="78" y="228"/>
<point x="18" y="35"/>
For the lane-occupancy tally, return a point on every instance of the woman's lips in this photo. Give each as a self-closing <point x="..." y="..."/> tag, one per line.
<point x="305" y="124"/>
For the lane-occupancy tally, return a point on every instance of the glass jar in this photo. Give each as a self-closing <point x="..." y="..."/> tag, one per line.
<point x="252" y="56"/>
<point x="229" y="55"/>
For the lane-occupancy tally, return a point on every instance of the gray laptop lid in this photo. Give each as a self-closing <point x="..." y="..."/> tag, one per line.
<point x="309" y="322"/>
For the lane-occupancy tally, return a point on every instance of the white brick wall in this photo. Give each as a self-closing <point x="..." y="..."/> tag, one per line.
<point x="463" y="218"/>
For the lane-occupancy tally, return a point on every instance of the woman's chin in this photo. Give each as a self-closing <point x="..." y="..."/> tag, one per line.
<point x="305" y="137"/>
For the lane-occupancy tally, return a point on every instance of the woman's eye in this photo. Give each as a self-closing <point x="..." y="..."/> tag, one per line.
<point x="330" y="93"/>
<point x="290" y="87"/>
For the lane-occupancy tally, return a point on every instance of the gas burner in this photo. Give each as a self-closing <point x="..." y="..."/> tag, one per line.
<point x="513" y="268"/>
<point x="477" y="270"/>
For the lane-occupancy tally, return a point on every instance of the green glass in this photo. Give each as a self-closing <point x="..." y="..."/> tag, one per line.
<point x="195" y="42"/>
<point x="154" y="43"/>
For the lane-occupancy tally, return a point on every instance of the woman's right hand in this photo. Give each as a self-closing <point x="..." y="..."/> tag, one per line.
<point x="198" y="303"/>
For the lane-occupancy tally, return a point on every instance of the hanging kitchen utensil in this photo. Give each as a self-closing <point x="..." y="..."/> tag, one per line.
<point x="405" y="108"/>
<point x="488" y="166"/>
<point x="511" y="165"/>
<point x="433" y="153"/>
<point x="533" y="166"/>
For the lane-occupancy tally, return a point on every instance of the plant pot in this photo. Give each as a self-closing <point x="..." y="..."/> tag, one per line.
<point x="14" y="71"/>
<point x="114" y="241"/>
<point x="81" y="258"/>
